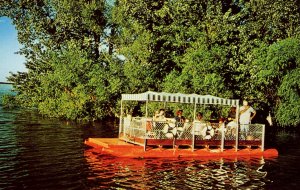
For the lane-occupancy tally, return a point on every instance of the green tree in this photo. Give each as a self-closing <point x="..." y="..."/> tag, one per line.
<point x="70" y="72"/>
<point x="149" y="40"/>
<point x="276" y="74"/>
<point x="206" y="46"/>
<point x="217" y="47"/>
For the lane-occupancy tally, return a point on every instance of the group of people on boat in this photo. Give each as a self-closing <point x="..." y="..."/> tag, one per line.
<point x="160" y="116"/>
<point x="229" y="124"/>
<point x="172" y="126"/>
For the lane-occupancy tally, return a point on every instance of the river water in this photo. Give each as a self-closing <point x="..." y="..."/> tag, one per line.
<point x="42" y="153"/>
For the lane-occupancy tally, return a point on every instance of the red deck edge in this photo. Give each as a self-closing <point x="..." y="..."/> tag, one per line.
<point x="118" y="148"/>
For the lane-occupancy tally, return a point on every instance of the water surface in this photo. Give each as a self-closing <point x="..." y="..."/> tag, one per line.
<point x="42" y="153"/>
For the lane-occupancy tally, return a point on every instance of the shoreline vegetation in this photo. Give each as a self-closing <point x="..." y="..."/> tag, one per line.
<point x="81" y="56"/>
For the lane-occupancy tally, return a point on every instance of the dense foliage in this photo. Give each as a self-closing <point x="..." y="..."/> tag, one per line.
<point x="81" y="55"/>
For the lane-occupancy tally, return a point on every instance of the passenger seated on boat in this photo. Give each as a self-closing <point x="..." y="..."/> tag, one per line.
<point x="207" y="132"/>
<point x="156" y="113"/>
<point x="170" y="130"/>
<point x="199" y="124"/>
<point x="231" y="119"/>
<point x="159" y="121"/>
<point x="159" y="116"/>
<point x="199" y="118"/>
<point x="231" y="127"/>
<point x="179" y="118"/>
<point x="231" y="114"/>
<point x="221" y="126"/>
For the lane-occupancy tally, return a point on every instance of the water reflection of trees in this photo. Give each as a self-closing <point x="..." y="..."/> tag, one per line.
<point x="224" y="173"/>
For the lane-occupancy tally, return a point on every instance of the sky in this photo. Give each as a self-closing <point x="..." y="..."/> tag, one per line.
<point x="9" y="61"/>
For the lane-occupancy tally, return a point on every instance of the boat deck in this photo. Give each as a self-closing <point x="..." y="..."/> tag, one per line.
<point x="119" y="148"/>
<point x="109" y="142"/>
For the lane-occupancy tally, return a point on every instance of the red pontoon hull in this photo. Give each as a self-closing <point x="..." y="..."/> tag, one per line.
<point x="119" y="148"/>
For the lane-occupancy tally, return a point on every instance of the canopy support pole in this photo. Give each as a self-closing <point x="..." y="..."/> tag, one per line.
<point x="263" y="138"/>
<point x="121" y="119"/>
<point x="222" y="137"/>
<point x="193" y="142"/>
<point x="146" y="108"/>
<point x="237" y="114"/>
<point x="145" y="127"/>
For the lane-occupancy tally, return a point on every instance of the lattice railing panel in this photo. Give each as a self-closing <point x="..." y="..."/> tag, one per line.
<point x="142" y="128"/>
<point x="251" y="132"/>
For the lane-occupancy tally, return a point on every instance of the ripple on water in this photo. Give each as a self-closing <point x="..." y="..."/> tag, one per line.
<point x="38" y="153"/>
<point x="127" y="173"/>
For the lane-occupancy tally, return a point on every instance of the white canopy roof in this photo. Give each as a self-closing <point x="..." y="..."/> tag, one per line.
<point x="180" y="98"/>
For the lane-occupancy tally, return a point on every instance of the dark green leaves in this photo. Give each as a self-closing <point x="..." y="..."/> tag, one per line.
<point x="81" y="55"/>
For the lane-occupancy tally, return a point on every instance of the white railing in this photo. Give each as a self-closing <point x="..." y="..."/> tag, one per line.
<point x="138" y="130"/>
